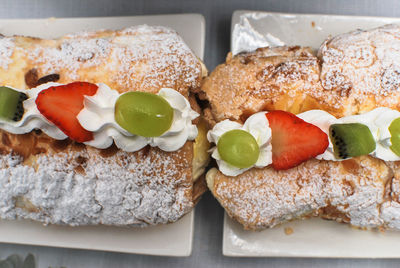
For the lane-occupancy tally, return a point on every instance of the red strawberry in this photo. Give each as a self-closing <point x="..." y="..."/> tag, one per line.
<point x="61" y="104"/>
<point x="294" y="140"/>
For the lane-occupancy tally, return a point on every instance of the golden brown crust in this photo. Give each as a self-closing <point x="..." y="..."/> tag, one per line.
<point x="43" y="160"/>
<point x="282" y="78"/>
<point x="350" y="191"/>
<point x="119" y="59"/>
<point x="360" y="70"/>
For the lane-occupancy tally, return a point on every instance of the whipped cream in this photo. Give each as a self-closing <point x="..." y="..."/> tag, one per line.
<point x="258" y="126"/>
<point x="32" y="118"/>
<point x="98" y="117"/>
<point x="377" y="120"/>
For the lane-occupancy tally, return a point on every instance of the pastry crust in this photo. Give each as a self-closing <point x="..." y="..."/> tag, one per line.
<point x="350" y="191"/>
<point x="62" y="182"/>
<point x="278" y="78"/>
<point x="140" y="58"/>
<point x="361" y="191"/>
<point x="361" y="71"/>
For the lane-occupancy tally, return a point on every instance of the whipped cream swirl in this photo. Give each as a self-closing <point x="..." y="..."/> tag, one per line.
<point x="98" y="117"/>
<point x="258" y="126"/>
<point x="377" y="120"/>
<point x="32" y="118"/>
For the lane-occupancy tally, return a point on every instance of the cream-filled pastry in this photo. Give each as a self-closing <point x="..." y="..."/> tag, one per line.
<point x="335" y="131"/>
<point x="60" y="162"/>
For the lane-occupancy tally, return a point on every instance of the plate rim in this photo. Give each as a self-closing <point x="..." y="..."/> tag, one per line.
<point x="236" y="253"/>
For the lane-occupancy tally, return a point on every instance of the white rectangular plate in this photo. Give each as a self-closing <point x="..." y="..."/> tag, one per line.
<point x="313" y="237"/>
<point x="170" y="240"/>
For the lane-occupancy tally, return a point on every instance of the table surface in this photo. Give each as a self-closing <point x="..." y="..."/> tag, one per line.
<point x="207" y="247"/>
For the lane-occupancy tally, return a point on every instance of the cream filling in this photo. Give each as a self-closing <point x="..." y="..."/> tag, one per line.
<point x="98" y="117"/>
<point x="258" y="126"/>
<point x="377" y="120"/>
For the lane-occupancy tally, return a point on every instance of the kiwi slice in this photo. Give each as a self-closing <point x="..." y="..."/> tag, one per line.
<point x="351" y="140"/>
<point x="11" y="107"/>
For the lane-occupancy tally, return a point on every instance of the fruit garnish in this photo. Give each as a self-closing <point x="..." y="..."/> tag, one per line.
<point x="351" y="140"/>
<point x="11" y="107"/>
<point x="394" y="130"/>
<point x="294" y="140"/>
<point x="61" y="104"/>
<point x="238" y="148"/>
<point x="143" y="114"/>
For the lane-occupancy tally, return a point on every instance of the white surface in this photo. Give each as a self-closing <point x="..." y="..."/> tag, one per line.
<point x="313" y="237"/>
<point x="172" y="239"/>
<point x="169" y="240"/>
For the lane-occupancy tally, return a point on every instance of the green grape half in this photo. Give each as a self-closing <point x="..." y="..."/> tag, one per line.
<point x="394" y="130"/>
<point x="238" y="148"/>
<point x="143" y="114"/>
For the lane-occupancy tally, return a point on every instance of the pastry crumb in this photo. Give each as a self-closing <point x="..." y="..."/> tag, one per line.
<point x="288" y="230"/>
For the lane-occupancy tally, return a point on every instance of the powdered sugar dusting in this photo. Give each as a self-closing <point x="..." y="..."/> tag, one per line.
<point x="363" y="67"/>
<point x="6" y="51"/>
<point x="125" y="189"/>
<point x="261" y="79"/>
<point x="137" y="58"/>
<point x="266" y="200"/>
<point x="160" y="51"/>
<point x="72" y="54"/>
<point x="350" y="192"/>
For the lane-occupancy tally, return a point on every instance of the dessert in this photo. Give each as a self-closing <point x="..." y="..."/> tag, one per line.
<point x="332" y="130"/>
<point x="67" y="158"/>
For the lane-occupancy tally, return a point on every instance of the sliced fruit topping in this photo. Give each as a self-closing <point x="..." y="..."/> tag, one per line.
<point x="61" y="104"/>
<point x="351" y="140"/>
<point x="143" y="114"/>
<point x="238" y="148"/>
<point x="294" y="140"/>
<point x="11" y="107"/>
<point x="394" y="130"/>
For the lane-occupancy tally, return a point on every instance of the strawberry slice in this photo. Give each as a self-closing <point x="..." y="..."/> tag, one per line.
<point x="61" y="104"/>
<point x="294" y="140"/>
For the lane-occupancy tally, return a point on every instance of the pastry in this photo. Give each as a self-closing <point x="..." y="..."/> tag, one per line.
<point x="285" y="78"/>
<point x="361" y="70"/>
<point x="58" y="170"/>
<point x="336" y="158"/>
